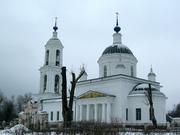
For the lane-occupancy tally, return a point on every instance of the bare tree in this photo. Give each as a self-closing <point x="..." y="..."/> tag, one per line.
<point x="67" y="109"/>
<point x="151" y="107"/>
<point x="21" y="101"/>
<point x="175" y="112"/>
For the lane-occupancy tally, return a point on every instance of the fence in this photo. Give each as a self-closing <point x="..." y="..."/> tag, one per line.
<point x="92" y="128"/>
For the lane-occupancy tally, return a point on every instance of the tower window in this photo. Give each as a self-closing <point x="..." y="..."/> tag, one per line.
<point x="132" y="71"/>
<point x="120" y="66"/>
<point x="47" y="57"/>
<point x="138" y="113"/>
<point x="45" y="82"/>
<point x="105" y="71"/>
<point x="57" y="115"/>
<point x="57" y="57"/>
<point x="56" y="84"/>
<point x="51" y="115"/>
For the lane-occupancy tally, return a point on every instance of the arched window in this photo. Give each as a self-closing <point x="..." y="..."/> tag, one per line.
<point x="57" y="57"/>
<point x="56" y="84"/>
<point x="47" y="57"/>
<point x="132" y="71"/>
<point x="45" y="82"/>
<point x="105" y="71"/>
<point x="120" y="66"/>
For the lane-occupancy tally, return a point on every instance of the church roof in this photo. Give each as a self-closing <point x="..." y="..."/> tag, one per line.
<point x="94" y="94"/>
<point x="142" y="88"/>
<point x="117" y="49"/>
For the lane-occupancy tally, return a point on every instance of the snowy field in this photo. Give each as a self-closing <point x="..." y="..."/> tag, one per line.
<point x="20" y="129"/>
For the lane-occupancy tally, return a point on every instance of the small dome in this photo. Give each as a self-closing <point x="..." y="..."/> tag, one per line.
<point x="117" y="49"/>
<point x="144" y="87"/>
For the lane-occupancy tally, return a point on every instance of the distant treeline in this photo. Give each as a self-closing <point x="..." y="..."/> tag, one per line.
<point x="11" y="107"/>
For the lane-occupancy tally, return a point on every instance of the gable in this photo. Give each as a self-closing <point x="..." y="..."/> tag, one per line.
<point x="93" y="94"/>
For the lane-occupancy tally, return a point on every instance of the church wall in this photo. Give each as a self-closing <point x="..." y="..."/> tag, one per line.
<point x="88" y="102"/>
<point x="140" y="101"/>
<point x="117" y="87"/>
<point x="52" y="45"/>
<point x="53" y="106"/>
<point x="50" y="72"/>
<point x="117" y="64"/>
<point x="160" y="109"/>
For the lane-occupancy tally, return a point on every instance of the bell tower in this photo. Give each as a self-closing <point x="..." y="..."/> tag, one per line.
<point x="50" y="72"/>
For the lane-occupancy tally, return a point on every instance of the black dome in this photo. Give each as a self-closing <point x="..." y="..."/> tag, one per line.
<point x="117" y="49"/>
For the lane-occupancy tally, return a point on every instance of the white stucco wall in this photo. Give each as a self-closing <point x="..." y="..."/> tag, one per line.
<point x="51" y="70"/>
<point x="119" y="86"/>
<point x="140" y="101"/>
<point x="55" y="105"/>
<point x="117" y="63"/>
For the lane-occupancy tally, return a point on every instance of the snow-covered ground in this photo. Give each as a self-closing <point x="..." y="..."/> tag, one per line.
<point x="21" y="129"/>
<point x="17" y="129"/>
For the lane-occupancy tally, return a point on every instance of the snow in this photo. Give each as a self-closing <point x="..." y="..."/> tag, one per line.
<point x="14" y="130"/>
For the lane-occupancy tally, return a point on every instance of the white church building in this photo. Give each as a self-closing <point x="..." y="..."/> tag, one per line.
<point x="117" y="95"/>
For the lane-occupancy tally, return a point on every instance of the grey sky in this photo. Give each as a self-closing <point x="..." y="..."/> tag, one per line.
<point x="149" y="28"/>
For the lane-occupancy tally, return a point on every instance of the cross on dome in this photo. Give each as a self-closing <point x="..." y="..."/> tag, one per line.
<point x="55" y="27"/>
<point x="117" y="18"/>
<point x="117" y="28"/>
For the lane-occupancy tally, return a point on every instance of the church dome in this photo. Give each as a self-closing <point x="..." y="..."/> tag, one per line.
<point x="117" y="49"/>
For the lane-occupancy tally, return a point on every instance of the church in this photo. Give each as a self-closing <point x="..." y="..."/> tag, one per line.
<point x="117" y="95"/>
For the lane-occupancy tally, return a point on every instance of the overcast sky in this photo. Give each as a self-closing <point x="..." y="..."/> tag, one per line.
<point x="149" y="28"/>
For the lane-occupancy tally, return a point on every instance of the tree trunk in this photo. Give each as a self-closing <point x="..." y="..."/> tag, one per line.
<point x="67" y="111"/>
<point x="151" y="108"/>
<point x="64" y="95"/>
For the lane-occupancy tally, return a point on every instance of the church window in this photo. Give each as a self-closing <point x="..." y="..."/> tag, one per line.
<point x="120" y="66"/>
<point x="45" y="82"/>
<point x="56" y="84"/>
<point x="138" y="113"/>
<point x="105" y="71"/>
<point x="57" y="115"/>
<point x="132" y="71"/>
<point x="57" y="57"/>
<point x="47" y="57"/>
<point x="126" y="113"/>
<point x="51" y="115"/>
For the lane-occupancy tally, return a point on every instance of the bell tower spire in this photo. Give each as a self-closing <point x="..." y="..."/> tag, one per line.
<point x="50" y="72"/>
<point x="55" y="28"/>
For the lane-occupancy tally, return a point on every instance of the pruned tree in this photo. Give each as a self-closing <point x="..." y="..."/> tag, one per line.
<point x="148" y="94"/>
<point x="67" y="107"/>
